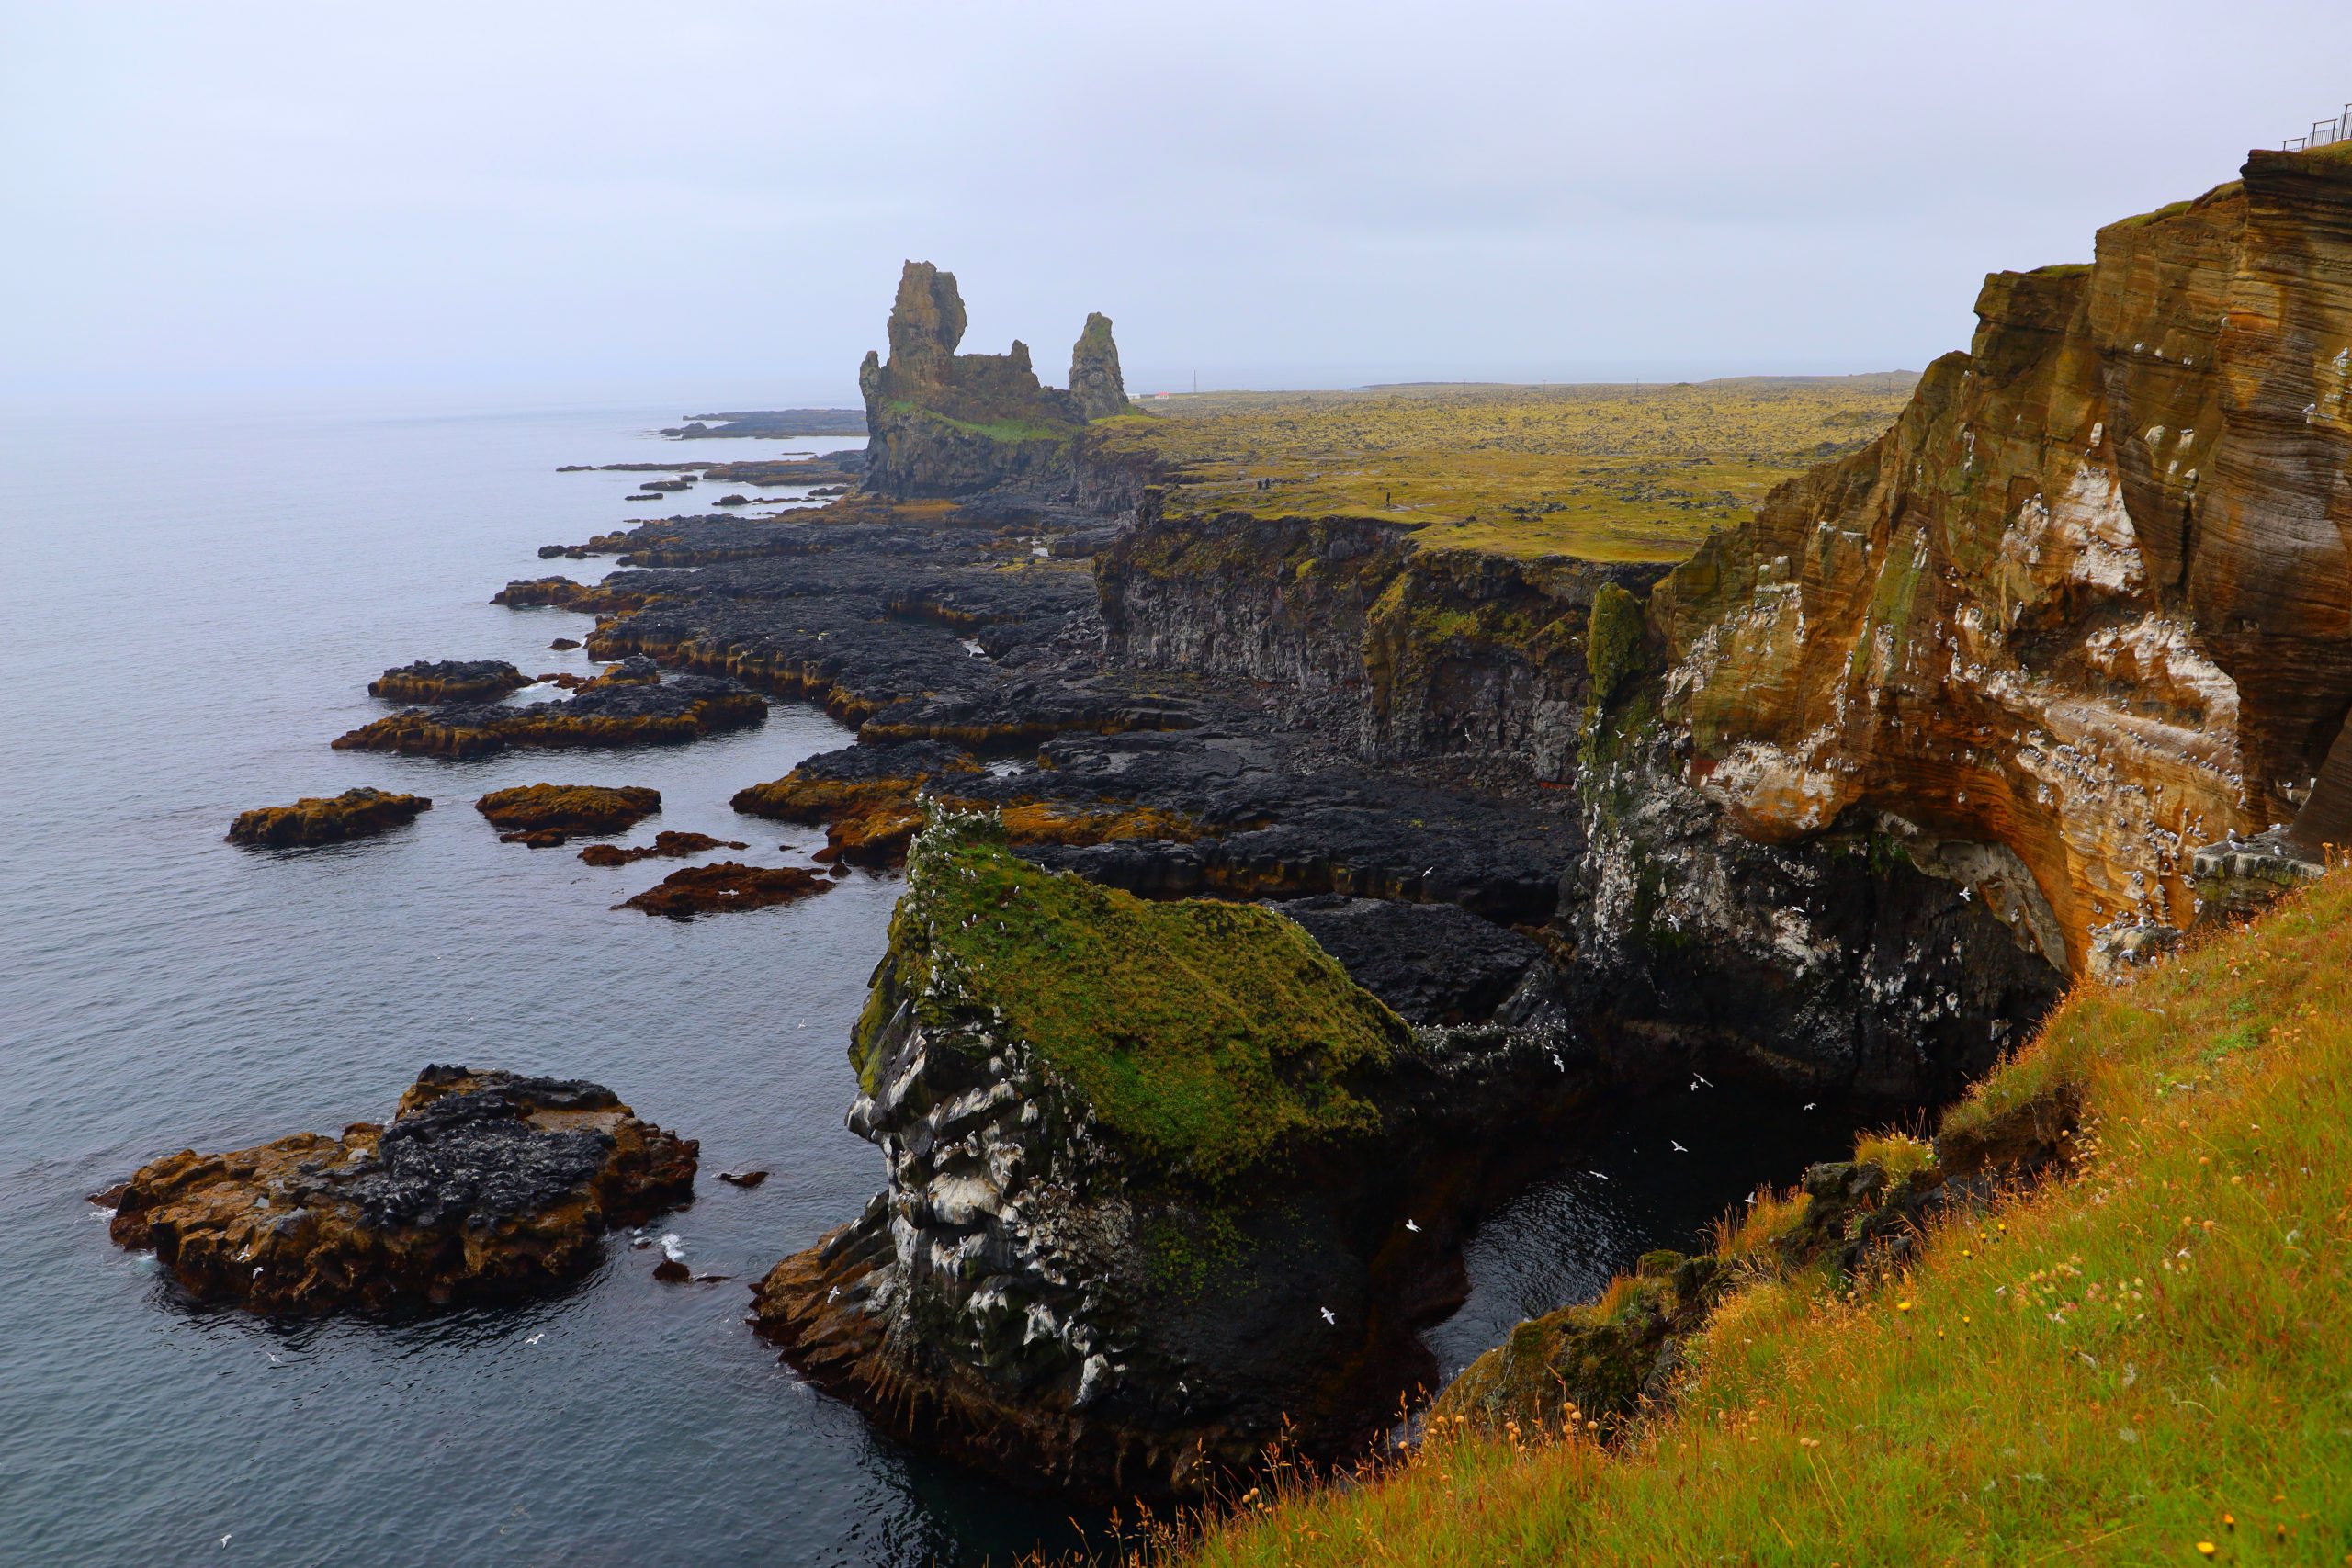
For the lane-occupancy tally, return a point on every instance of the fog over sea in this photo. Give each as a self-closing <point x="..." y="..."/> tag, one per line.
<point x="194" y="608"/>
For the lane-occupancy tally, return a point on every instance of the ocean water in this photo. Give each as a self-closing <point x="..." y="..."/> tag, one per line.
<point x="194" y="609"/>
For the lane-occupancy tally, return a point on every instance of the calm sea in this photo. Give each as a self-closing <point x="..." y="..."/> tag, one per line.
<point x="193" y="610"/>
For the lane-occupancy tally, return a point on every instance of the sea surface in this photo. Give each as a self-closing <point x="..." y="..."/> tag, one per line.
<point x="192" y="609"/>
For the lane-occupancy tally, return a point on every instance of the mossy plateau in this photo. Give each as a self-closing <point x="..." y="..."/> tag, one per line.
<point x="1607" y="473"/>
<point x="1204" y="1040"/>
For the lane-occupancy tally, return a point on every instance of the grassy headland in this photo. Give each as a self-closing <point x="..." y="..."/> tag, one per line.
<point x="2140" y="1360"/>
<point x="1606" y="472"/>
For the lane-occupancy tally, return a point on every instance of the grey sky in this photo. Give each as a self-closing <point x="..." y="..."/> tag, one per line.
<point x="710" y="204"/>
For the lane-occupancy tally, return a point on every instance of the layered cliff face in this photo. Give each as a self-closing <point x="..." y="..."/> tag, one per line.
<point x="1412" y="653"/>
<point x="944" y="424"/>
<point x="2087" y="601"/>
<point x="1150" y="1168"/>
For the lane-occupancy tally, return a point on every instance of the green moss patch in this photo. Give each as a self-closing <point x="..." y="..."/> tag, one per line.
<point x="1207" y="1039"/>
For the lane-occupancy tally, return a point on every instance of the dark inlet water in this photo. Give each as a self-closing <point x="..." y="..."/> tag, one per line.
<point x="193" y="610"/>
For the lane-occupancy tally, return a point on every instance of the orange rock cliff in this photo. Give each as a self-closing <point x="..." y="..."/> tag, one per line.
<point x="2088" y="605"/>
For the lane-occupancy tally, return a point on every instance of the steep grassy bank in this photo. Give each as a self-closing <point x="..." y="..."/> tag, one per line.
<point x="2140" y="1360"/>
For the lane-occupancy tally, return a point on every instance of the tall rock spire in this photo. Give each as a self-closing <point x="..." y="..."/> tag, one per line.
<point x="1095" y="385"/>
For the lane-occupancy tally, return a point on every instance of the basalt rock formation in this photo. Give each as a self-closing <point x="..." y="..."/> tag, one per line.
<point x="944" y="424"/>
<point x="1097" y="391"/>
<point x="1150" y="1170"/>
<point x="667" y="713"/>
<point x="448" y="680"/>
<point x="328" y="819"/>
<point x="485" y="1185"/>
<point x="544" y="815"/>
<point x="725" y="886"/>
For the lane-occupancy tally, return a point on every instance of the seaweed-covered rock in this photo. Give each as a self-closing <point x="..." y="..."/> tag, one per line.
<point x="326" y="819"/>
<point x="725" y="886"/>
<point x="544" y="815"/>
<point x="667" y="844"/>
<point x="483" y="1184"/>
<point x="683" y="708"/>
<point x="448" y="680"/>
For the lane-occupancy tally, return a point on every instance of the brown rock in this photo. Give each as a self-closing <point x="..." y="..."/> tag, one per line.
<point x="314" y="819"/>
<point x="730" y="885"/>
<point x="483" y="1184"/>
<point x="745" y="1179"/>
<point x="670" y="1271"/>
<point x="2089" y="602"/>
<point x="666" y="844"/>
<point x="544" y="815"/>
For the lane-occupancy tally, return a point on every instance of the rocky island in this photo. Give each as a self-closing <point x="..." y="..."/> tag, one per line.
<point x="482" y="1186"/>
<point x="329" y="819"/>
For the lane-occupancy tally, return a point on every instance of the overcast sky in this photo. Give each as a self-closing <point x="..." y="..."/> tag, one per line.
<point x="484" y="203"/>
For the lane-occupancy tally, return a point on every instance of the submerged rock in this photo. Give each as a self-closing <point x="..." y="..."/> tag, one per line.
<point x="483" y="1184"/>
<point x="448" y="680"/>
<point x="329" y="819"/>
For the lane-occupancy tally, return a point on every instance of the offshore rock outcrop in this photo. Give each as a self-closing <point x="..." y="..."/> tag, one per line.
<point x="944" y="424"/>
<point x="668" y="844"/>
<point x="724" y="886"/>
<point x="628" y="713"/>
<point x="326" y="819"/>
<point x="483" y="1186"/>
<point x="1150" y="1170"/>
<point x="448" y="680"/>
<point x="544" y="815"/>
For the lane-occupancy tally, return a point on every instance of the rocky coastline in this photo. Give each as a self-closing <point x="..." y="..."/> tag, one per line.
<point x="1280" y="891"/>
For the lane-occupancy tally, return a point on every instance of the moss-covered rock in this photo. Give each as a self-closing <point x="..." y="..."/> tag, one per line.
<point x="1149" y="1172"/>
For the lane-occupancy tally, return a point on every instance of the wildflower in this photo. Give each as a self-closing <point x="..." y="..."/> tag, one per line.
<point x="1903" y="1306"/>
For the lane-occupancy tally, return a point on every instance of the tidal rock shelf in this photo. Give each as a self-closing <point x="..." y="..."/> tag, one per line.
<point x="483" y="1186"/>
<point x="683" y="708"/>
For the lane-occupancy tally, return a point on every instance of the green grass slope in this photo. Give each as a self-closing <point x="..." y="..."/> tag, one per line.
<point x="2147" y="1359"/>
